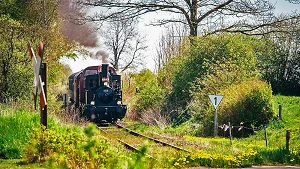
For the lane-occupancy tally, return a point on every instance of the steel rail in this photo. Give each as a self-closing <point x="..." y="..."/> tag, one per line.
<point x="153" y="139"/>
<point x="128" y="146"/>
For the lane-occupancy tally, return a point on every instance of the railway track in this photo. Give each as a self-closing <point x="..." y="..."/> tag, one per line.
<point x="157" y="148"/>
<point x="127" y="145"/>
<point x="153" y="139"/>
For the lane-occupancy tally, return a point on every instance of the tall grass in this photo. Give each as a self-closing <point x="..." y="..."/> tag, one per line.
<point x="15" y="127"/>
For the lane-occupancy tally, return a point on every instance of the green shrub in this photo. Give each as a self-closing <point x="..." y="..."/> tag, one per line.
<point x="150" y="93"/>
<point x="248" y="102"/>
<point x="72" y="147"/>
<point x="213" y="63"/>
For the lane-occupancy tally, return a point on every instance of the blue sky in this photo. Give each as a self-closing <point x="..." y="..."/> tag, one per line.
<point x="154" y="33"/>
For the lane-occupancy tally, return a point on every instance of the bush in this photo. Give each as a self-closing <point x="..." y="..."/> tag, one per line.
<point x="213" y="63"/>
<point x="147" y="99"/>
<point x="149" y="92"/>
<point x="71" y="147"/>
<point x="248" y="102"/>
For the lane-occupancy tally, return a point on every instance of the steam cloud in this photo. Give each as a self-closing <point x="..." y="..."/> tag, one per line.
<point x="100" y="55"/>
<point x="84" y="34"/>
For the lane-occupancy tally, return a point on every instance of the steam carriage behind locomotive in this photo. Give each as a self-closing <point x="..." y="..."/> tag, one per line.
<point x="96" y="92"/>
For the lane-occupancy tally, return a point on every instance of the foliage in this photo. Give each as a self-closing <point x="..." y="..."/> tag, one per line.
<point x="16" y="126"/>
<point x="215" y="152"/>
<point x="72" y="148"/>
<point x="23" y="22"/>
<point x="60" y="146"/>
<point x="280" y="155"/>
<point x="274" y="154"/>
<point x="247" y="103"/>
<point x="147" y="100"/>
<point x="19" y="164"/>
<point x="213" y="63"/>
<point x="12" y="60"/>
<point x="280" y="64"/>
<point x="138" y="161"/>
<point x="16" y="9"/>
<point x="150" y="93"/>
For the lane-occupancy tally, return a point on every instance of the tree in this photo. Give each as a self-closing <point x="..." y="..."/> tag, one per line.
<point x="13" y="76"/>
<point x="280" y="63"/>
<point x="245" y="16"/>
<point x="126" y="44"/>
<point x="28" y="21"/>
<point x="169" y="44"/>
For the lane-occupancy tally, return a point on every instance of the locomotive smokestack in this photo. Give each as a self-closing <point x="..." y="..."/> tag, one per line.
<point x="105" y="70"/>
<point x="105" y="77"/>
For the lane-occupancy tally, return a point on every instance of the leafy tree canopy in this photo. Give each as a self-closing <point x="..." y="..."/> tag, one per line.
<point x="21" y="22"/>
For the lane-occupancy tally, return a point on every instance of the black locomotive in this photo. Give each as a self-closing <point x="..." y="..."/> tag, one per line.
<point x="96" y="92"/>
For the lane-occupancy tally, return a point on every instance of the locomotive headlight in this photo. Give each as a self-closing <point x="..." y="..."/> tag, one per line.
<point x="92" y="103"/>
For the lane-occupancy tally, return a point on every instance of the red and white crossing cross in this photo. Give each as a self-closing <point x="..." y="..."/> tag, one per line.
<point x="37" y="81"/>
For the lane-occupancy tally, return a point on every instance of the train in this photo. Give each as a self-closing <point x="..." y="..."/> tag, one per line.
<point x="96" y="92"/>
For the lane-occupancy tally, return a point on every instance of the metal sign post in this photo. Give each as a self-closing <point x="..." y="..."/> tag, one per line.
<point x="215" y="99"/>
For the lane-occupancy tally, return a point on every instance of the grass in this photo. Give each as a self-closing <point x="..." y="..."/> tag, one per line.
<point x="274" y="153"/>
<point x="24" y="144"/>
<point x="16" y="125"/>
<point x="19" y="164"/>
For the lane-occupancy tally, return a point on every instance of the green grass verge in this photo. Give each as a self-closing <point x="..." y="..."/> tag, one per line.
<point x="15" y="127"/>
<point x="217" y="152"/>
<point x="73" y="146"/>
<point x="24" y="144"/>
<point x="19" y="164"/>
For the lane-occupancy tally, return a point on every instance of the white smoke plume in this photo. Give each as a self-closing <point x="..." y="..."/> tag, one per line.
<point x="100" y="55"/>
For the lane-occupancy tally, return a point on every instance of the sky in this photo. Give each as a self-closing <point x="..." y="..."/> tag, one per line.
<point x="153" y="35"/>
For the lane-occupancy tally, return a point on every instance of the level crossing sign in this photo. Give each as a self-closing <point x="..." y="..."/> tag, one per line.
<point x="37" y="81"/>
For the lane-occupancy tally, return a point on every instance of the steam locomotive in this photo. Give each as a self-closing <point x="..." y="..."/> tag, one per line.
<point x="96" y="92"/>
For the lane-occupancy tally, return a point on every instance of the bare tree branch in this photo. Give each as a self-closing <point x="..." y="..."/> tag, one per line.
<point x="193" y="12"/>
<point x="248" y="29"/>
<point x="122" y="38"/>
<point x="294" y="1"/>
<point x="213" y="10"/>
